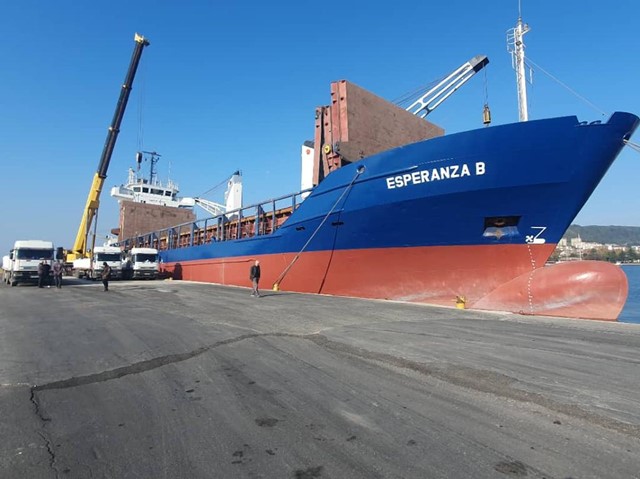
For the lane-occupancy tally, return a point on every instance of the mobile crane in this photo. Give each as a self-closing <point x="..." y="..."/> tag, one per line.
<point x="79" y="249"/>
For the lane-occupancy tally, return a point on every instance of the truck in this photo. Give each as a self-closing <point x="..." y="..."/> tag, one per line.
<point x="91" y="267"/>
<point x="21" y="265"/>
<point x="141" y="263"/>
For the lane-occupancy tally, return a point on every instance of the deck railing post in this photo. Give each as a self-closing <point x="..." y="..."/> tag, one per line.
<point x="274" y="224"/>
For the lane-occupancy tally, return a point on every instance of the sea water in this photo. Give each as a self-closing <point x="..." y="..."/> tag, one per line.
<point x="631" y="311"/>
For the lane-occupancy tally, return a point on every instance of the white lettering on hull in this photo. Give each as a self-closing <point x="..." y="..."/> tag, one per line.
<point x="434" y="174"/>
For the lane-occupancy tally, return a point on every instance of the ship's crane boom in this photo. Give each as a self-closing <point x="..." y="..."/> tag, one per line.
<point x="444" y="89"/>
<point x="93" y="200"/>
<point x="210" y="207"/>
<point x="232" y="197"/>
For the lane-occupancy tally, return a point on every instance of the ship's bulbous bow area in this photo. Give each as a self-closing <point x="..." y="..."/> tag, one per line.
<point x="577" y="289"/>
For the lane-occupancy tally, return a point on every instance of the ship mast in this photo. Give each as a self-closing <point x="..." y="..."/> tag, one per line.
<point x="515" y="46"/>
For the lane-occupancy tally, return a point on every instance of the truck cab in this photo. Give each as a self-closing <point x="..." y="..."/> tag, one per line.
<point x="21" y="265"/>
<point x="91" y="267"/>
<point x="141" y="263"/>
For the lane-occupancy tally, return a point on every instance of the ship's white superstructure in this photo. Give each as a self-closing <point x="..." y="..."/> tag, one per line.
<point x="141" y="190"/>
<point x="152" y="191"/>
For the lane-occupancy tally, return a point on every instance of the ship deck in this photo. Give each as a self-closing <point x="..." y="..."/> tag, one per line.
<point x="179" y="379"/>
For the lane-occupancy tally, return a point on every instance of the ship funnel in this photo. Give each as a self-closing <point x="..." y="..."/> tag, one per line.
<point x="233" y="195"/>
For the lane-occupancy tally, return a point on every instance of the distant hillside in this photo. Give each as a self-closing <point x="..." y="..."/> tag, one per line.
<point x="621" y="235"/>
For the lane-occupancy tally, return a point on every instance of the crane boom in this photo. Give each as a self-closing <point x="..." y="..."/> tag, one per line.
<point x="93" y="200"/>
<point x="210" y="207"/>
<point x="443" y="90"/>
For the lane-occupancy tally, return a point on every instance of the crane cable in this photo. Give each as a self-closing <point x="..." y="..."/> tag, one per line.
<point x="409" y="97"/>
<point x="276" y="284"/>
<point x="486" y="111"/>
<point x="215" y="187"/>
<point x="141" y="108"/>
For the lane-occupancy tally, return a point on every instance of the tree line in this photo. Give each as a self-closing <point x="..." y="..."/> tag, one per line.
<point x="619" y="235"/>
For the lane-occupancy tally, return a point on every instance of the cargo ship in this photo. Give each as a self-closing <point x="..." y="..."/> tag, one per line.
<point x="466" y="219"/>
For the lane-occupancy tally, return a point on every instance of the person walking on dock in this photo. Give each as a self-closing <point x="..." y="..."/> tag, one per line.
<point x="254" y="276"/>
<point x="106" y="274"/>
<point x="57" y="270"/>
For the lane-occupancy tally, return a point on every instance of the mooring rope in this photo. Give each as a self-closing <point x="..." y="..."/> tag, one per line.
<point x="276" y="284"/>
<point x="632" y="145"/>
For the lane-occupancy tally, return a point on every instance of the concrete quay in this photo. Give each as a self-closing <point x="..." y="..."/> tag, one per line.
<point x="174" y="379"/>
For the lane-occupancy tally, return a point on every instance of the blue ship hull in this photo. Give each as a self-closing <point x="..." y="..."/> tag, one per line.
<point x="489" y="205"/>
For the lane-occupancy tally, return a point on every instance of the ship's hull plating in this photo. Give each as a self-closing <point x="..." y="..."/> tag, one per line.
<point x="457" y="216"/>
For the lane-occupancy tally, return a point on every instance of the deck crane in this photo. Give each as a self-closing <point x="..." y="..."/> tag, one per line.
<point x="79" y="249"/>
<point x="330" y="121"/>
<point x="232" y="197"/>
<point x="445" y="88"/>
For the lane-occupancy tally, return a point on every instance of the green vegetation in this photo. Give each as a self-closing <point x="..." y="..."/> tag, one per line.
<point x="619" y="235"/>
<point x="625" y="237"/>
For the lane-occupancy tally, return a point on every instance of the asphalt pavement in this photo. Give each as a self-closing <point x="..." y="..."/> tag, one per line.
<point x="170" y="379"/>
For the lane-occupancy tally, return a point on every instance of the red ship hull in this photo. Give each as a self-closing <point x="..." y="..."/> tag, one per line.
<point x="506" y="278"/>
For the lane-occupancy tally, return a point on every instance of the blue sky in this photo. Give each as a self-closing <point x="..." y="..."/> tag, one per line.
<point x="233" y="85"/>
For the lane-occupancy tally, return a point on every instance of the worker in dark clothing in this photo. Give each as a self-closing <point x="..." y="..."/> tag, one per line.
<point x="43" y="272"/>
<point x="106" y="275"/>
<point x="47" y="275"/>
<point x="254" y="276"/>
<point x="57" y="269"/>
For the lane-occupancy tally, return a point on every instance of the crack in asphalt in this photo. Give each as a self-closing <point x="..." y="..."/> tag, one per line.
<point x="44" y="420"/>
<point x="146" y="365"/>
<point x="484" y="381"/>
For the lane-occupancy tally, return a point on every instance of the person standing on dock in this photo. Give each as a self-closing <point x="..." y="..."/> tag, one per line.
<point x="57" y="270"/>
<point x="43" y="274"/>
<point x="254" y="276"/>
<point x="106" y="274"/>
<point x="40" y="274"/>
